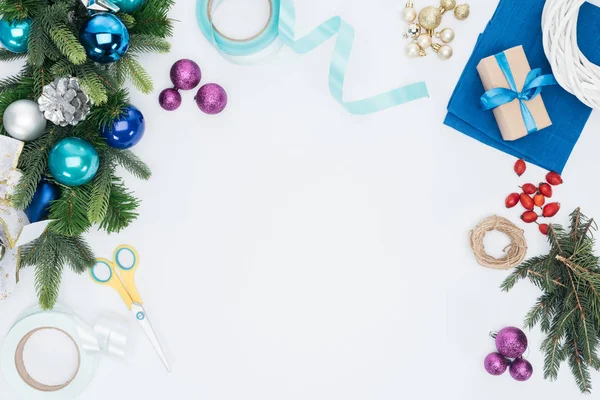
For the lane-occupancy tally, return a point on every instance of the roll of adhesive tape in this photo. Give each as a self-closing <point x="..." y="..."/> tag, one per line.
<point x="12" y="364"/>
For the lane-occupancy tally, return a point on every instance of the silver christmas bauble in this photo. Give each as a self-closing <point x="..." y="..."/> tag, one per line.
<point x="412" y="31"/>
<point x="24" y="121"/>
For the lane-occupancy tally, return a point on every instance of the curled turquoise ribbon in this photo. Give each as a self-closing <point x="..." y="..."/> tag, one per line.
<point x="282" y="26"/>
<point x="534" y="82"/>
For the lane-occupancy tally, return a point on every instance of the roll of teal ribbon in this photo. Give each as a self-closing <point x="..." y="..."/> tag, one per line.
<point x="281" y="28"/>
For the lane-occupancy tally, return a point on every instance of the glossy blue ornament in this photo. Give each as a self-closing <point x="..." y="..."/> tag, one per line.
<point x="105" y="38"/>
<point x="39" y="208"/>
<point x="14" y="34"/>
<point x="73" y="161"/>
<point x="128" y="6"/>
<point x="127" y="130"/>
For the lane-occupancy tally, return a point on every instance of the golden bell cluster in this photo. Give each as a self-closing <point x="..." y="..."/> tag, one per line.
<point x="422" y="28"/>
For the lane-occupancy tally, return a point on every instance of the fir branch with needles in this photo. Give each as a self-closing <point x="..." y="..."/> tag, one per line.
<point x="54" y="51"/>
<point x="568" y="311"/>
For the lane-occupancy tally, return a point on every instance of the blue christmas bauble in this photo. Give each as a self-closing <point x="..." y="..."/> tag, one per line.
<point x="73" y="161"/>
<point x="105" y="38"/>
<point x="127" y="130"/>
<point x="39" y="208"/>
<point x="129" y="6"/>
<point x="14" y="34"/>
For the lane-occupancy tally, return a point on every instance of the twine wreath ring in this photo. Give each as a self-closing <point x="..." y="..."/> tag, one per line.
<point x="515" y="251"/>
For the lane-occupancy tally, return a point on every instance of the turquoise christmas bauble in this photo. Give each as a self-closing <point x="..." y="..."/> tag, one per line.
<point x="14" y="34"/>
<point x="105" y="38"/>
<point x="129" y="6"/>
<point x="73" y="161"/>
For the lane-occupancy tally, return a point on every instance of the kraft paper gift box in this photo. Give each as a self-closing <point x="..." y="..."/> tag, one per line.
<point x="518" y="22"/>
<point x="509" y="116"/>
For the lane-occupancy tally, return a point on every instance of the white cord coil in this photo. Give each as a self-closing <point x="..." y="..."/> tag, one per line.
<point x="573" y="71"/>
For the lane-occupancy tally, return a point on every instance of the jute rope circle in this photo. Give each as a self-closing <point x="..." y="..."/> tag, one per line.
<point x="515" y="251"/>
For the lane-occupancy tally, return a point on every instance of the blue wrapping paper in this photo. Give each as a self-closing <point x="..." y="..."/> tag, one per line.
<point x="518" y="22"/>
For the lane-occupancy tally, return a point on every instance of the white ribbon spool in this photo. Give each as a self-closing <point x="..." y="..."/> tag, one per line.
<point x="89" y="342"/>
<point x="573" y="71"/>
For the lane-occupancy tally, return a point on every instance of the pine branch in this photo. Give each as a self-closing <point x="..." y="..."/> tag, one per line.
<point x="101" y="186"/>
<point x="92" y="83"/>
<point x="69" y="212"/>
<point x="121" y="209"/>
<point x="144" y="43"/>
<point x="77" y="253"/>
<point x="138" y="76"/>
<point x="33" y="162"/>
<point x="569" y="277"/>
<point x="44" y="254"/>
<point x="6" y="55"/>
<point x="132" y="163"/>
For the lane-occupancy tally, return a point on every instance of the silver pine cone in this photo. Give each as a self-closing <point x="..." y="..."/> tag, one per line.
<point x="64" y="102"/>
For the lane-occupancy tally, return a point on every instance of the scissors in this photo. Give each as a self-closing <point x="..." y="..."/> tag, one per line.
<point x="119" y="274"/>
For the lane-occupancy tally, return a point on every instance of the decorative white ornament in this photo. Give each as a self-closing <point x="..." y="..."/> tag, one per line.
<point x="572" y="70"/>
<point x="413" y="50"/>
<point x="24" y="121"/>
<point x="447" y="35"/>
<point x="445" y="52"/>
<point x="409" y="14"/>
<point x="424" y="41"/>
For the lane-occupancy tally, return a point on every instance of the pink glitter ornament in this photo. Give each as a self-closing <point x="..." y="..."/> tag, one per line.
<point x="211" y="98"/>
<point x="511" y="342"/>
<point x="185" y="74"/>
<point x="169" y="99"/>
<point x="521" y="370"/>
<point x="495" y="364"/>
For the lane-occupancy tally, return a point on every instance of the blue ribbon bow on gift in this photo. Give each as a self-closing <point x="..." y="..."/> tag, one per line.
<point x="534" y="82"/>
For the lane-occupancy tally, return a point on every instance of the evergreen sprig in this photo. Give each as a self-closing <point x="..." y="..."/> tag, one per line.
<point x="54" y="51"/>
<point x="568" y="311"/>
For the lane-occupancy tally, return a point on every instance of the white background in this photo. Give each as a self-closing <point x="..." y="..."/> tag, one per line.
<point x="293" y="251"/>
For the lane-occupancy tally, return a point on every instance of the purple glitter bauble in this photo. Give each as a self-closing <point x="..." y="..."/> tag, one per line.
<point x="185" y="74"/>
<point x="169" y="99"/>
<point x="521" y="370"/>
<point x="511" y="342"/>
<point x="211" y="98"/>
<point x="495" y="364"/>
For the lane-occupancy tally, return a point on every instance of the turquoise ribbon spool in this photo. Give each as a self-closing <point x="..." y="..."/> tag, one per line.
<point x="281" y="27"/>
<point x="534" y="82"/>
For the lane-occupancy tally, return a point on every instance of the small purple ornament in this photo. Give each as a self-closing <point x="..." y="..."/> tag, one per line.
<point x="211" y="98"/>
<point x="495" y="364"/>
<point x="511" y="342"/>
<point x="169" y="99"/>
<point x="521" y="370"/>
<point x="185" y="74"/>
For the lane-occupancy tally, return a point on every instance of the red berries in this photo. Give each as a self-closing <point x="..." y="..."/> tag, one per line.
<point x="526" y="201"/>
<point x="532" y="196"/>
<point x="520" y="167"/>
<point x="551" y="209"/>
<point x="545" y="189"/>
<point x="539" y="200"/>
<point x="512" y="200"/>
<point x="529" y="217"/>
<point x="529" y="188"/>
<point x="554" y="179"/>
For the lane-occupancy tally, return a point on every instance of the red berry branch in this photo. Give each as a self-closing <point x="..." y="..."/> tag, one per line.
<point x="540" y="193"/>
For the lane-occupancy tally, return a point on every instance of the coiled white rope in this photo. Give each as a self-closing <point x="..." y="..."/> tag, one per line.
<point x="573" y="71"/>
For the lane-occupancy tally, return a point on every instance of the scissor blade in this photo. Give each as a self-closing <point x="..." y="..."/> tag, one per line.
<point x="140" y="315"/>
